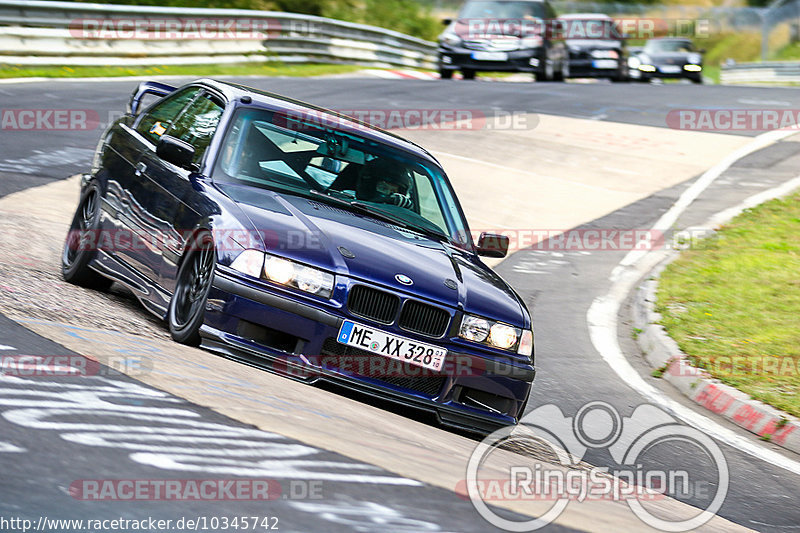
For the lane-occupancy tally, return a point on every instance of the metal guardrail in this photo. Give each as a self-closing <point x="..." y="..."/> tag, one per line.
<point x="779" y="72"/>
<point x="61" y="33"/>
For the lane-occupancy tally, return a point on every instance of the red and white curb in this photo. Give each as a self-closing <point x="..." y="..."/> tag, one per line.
<point x="603" y="317"/>
<point x="663" y="353"/>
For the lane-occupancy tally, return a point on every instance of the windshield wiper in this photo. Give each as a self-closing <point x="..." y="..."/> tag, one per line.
<point x="378" y="213"/>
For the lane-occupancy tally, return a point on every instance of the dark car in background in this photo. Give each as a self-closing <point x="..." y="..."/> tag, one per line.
<point x="306" y="243"/>
<point x="667" y="58"/>
<point x="595" y="45"/>
<point x="505" y="36"/>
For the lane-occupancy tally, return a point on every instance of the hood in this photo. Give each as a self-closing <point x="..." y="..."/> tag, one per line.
<point x="312" y="232"/>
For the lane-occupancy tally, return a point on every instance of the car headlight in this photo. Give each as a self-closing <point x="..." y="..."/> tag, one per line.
<point x="503" y="336"/>
<point x="474" y="328"/>
<point x="279" y="270"/>
<point x="533" y="41"/>
<point x="695" y="58"/>
<point x="285" y="272"/>
<point x="634" y="62"/>
<point x="496" y="334"/>
<point x="250" y="262"/>
<point x="450" y="39"/>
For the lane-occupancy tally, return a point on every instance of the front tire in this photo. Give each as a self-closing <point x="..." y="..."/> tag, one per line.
<point x="80" y="246"/>
<point x="188" y="303"/>
<point x="468" y="74"/>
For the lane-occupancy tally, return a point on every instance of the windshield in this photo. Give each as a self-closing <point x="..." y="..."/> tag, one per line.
<point x="503" y="10"/>
<point x="308" y="158"/>
<point x="588" y="28"/>
<point x="660" y="47"/>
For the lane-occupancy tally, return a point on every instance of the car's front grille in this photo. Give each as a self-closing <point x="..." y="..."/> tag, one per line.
<point x="475" y="45"/>
<point x="373" y="304"/>
<point x="382" y="307"/>
<point x="350" y="360"/>
<point x="424" y="319"/>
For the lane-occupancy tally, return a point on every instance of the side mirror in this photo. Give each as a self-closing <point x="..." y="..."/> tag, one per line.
<point x="493" y="245"/>
<point x="176" y="151"/>
<point x="447" y="22"/>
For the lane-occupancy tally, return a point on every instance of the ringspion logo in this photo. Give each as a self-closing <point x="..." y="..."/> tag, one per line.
<point x="563" y="480"/>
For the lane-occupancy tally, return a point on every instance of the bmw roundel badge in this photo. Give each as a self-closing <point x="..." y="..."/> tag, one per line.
<point x="405" y="280"/>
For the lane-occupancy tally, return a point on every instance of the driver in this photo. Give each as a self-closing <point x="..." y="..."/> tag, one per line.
<point x="386" y="182"/>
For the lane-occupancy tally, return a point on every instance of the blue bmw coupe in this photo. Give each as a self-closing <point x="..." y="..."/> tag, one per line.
<point x="307" y="243"/>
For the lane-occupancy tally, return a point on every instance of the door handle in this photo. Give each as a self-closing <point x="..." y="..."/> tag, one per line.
<point x="141" y="168"/>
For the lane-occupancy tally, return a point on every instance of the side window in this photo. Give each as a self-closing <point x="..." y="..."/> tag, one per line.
<point x="158" y="120"/>
<point x="197" y="124"/>
<point x="428" y="204"/>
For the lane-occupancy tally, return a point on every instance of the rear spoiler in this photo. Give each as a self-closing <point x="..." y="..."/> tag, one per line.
<point x="147" y="87"/>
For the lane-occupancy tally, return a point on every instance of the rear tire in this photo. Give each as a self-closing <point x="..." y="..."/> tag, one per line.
<point x="445" y="74"/>
<point x="188" y="303"/>
<point x="697" y="79"/>
<point x="80" y="246"/>
<point x="468" y="74"/>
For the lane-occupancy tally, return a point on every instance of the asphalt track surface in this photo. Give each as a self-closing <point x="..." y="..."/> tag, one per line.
<point x="558" y="287"/>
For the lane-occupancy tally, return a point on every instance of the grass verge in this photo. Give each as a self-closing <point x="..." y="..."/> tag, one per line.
<point x="732" y="304"/>
<point x="237" y="69"/>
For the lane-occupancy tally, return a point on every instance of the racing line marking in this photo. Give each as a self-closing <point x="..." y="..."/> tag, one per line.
<point x="602" y="314"/>
<point x="6" y="447"/>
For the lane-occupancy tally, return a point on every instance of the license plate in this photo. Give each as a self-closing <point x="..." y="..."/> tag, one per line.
<point x="490" y="56"/>
<point x="670" y="69"/>
<point x="392" y="346"/>
<point x="604" y="63"/>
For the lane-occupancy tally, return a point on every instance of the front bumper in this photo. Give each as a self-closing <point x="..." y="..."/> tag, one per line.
<point x="280" y="333"/>
<point x="585" y="68"/>
<point x="528" y="60"/>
